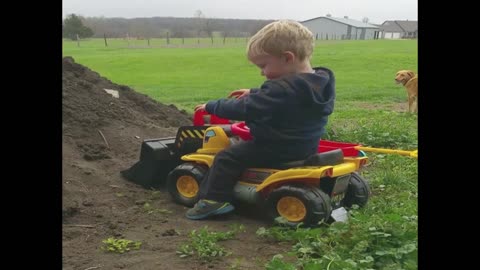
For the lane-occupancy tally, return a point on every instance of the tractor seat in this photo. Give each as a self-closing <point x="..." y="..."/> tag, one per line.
<point x="332" y="157"/>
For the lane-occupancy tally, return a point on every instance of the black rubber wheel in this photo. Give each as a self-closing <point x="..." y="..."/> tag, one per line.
<point x="183" y="183"/>
<point x="299" y="204"/>
<point x="358" y="192"/>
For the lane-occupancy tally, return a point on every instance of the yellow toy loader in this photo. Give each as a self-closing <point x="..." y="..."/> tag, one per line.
<point x="320" y="188"/>
<point x="309" y="191"/>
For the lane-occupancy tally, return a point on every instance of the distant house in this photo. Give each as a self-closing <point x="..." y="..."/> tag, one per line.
<point x="399" y="29"/>
<point x="341" y="28"/>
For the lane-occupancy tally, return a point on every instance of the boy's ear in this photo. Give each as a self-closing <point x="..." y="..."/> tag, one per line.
<point x="289" y="56"/>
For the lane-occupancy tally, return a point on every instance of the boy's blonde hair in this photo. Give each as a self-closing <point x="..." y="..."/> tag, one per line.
<point x="280" y="36"/>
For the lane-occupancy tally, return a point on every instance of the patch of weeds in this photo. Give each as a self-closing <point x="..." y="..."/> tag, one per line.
<point x="204" y="243"/>
<point x="277" y="263"/>
<point x="155" y="195"/>
<point x="149" y="209"/>
<point x="367" y="241"/>
<point x="236" y="264"/>
<point x="119" y="245"/>
<point x="392" y="178"/>
<point x="395" y="173"/>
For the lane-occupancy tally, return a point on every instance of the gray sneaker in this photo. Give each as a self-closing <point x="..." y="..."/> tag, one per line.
<point x="205" y="208"/>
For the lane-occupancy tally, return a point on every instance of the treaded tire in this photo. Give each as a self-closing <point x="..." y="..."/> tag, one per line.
<point x="358" y="192"/>
<point x="191" y="171"/>
<point x="317" y="204"/>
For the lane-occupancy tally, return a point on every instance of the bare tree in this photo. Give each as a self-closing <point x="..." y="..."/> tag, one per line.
<point x="178" y="30"/>
<point x="200" y="21"/>
<point x="225" y="31"/>
<point x="198" y="14"/>
<point x="208" y="27"/>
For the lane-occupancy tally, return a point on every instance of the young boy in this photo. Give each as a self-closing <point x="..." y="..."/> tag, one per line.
<point x="286" y="115"/>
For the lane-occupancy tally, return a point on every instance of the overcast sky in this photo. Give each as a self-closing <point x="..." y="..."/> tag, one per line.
<point x="377" y="11"/>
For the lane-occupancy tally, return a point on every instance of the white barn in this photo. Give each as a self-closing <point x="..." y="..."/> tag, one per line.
<point x="341" y="28"/>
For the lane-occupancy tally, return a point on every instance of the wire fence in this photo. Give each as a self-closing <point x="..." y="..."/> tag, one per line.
<point x="143" y="42"/>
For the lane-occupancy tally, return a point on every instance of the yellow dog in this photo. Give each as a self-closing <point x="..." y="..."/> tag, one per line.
<point x="409" y="80"/>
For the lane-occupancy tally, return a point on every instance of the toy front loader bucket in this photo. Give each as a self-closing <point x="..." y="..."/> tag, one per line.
<point x="160" y="156"/>
<point x="157" y="159"/>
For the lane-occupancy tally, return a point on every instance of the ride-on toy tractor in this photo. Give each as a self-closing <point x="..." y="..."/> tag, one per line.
<point x="305" y="191"/>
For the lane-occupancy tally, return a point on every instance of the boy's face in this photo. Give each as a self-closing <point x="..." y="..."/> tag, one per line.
<point x="272" y="67"/>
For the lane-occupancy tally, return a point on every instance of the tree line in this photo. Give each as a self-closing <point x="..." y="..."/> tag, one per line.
<point x="159" y="27"/>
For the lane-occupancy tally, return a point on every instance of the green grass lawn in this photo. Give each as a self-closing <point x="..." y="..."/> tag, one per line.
<point x="185" y="76"/>
<point x="368" y="110"/>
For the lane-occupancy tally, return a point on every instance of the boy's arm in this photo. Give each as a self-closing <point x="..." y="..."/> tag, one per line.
<point x="259" y="104"/>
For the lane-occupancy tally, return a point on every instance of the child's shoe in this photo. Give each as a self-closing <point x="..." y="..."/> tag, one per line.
<point x="205" y="208"/>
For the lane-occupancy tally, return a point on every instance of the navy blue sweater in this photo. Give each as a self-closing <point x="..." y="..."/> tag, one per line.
<point x="289" y="112"/>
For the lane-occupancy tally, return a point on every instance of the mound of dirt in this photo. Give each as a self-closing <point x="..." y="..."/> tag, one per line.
<point x="102" y="135"/>
<point x="98" y="126"/>
<point x="87" y="106"/>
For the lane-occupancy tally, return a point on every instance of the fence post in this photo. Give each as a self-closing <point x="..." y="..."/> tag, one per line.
<point x="148" y="42"/>
<point x="128" y="40"/>
<point x="78" y="41"/>
<point x="316" y="36"/>
<point x="183" y="40"/>
<point x="105" y="38"/>
<point x="211" y="36"/>
<point x="168" y="38"/>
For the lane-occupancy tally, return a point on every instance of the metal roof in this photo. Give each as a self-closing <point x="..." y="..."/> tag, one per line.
<point x="400" y="26"/>
<point x="408" y="26"/>
<point x="346" y="21"/>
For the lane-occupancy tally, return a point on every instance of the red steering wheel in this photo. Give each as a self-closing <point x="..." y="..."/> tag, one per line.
<point x="199" y="121"/>
<point x="241" y="130"/>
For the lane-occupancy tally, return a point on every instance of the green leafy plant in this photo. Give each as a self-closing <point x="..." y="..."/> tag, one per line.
<point x="147" y="207"/>
<point x="236" y="264"/>
<point x="119" y="245"/>
<point x="367" y="241"/>
<point x="203" y="243"/>
<point x="155" y="195"/>
<point x="277" y="263"/>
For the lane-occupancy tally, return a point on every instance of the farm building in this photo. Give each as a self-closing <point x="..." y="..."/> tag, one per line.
<point x="399" y="29"/>
<point x="341" y="28"/>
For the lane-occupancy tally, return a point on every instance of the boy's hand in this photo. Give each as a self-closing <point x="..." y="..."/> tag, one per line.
<point x="239" y="93"/>
<point x="200" y="107"/>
